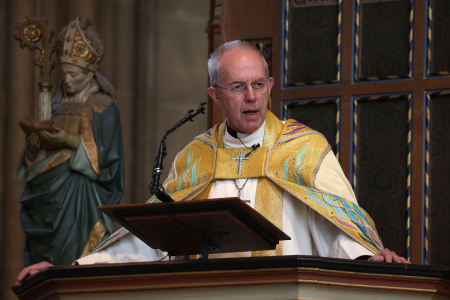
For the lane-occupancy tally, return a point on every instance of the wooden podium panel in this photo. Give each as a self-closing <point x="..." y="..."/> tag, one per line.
<point x="276" y="277"/>
<point x="223" y="222"/>
<point x="184" y="227"/>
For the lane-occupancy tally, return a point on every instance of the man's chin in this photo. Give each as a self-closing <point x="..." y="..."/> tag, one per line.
<point x="252" y="127"/>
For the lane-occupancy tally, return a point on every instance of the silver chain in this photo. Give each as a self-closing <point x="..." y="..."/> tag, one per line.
<point x="253" y="149"/>
<point x="240" y="188"/>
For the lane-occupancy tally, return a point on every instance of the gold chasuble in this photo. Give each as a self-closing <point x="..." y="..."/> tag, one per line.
<point x="288" y="161"/>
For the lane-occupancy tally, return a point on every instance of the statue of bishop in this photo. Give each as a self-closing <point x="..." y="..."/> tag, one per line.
<point x="82" y="164"/>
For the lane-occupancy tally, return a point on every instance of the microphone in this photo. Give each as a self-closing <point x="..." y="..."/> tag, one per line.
<point x="254" y="147"/>
<point x="155" y="187"/>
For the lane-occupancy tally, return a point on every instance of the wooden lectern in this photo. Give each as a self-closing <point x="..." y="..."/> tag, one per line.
<point x="227" y="225"/>
<point x="253" y="278"/>
<point x="198" y="226"/>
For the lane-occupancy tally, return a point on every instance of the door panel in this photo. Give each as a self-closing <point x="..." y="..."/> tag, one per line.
<point x="350" y="51"/>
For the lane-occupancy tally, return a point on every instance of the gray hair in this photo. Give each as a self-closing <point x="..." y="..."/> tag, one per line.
<point x="215" y="76"/>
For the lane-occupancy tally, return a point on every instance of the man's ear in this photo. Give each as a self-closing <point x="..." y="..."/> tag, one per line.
<point x="90" y="74"/>
<point x="212" y="92"/>
<point x="271" y="82"/>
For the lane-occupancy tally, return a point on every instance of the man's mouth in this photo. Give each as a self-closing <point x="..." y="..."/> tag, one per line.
<point x="251" y="112"/>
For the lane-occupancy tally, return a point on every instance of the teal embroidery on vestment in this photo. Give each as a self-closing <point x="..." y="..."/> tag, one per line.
<point x="311" y="193"/>
<point x="347" y="214"/>
<point x="294" y="171"/>
<point x="190" y="176"/>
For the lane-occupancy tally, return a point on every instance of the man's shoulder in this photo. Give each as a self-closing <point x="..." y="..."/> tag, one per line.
<point x="202" y="142"/>
<point x="293" y="130"/>
<point x="210" y="136"/>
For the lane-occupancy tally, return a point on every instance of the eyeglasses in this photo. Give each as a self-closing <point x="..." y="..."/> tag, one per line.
<point x="238" y="88"/>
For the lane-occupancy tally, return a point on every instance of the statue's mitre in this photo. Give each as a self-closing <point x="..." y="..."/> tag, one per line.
<point x="75" y="45"/>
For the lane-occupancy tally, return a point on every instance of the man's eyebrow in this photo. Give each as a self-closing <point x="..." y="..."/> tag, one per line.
<point x="237" y="82"/>
<point x="243" y="82"/>
<point x="259" y="79"/>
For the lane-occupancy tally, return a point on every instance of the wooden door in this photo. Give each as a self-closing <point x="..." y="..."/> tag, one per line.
<point x="373" y="77"/>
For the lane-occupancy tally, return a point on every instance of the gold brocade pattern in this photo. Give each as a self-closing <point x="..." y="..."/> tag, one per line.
<point x="80" y="49"/>
<point x="269" y="197"/>
<point x="95" y="103"/>
<point x="272" y="130"/>
<point x="95" y="237"/>
<point x="87" y="138"/>
<point x="205" y="193"/>
<point x="220" y="135"/>
<point x="66" y="117"/>
<point x="70" y="123"/>
<point x="73" y="47"/>
<point x="253" y="167"/>
<point x="269" y="203"/>
<point x="60" y="158"/>
<point x="193" y="167"/>
<point x="298" y="162"/>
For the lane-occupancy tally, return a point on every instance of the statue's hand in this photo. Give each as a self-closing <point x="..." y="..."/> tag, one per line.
<point x="32" y="146"/>
<point x="61" y="138"/>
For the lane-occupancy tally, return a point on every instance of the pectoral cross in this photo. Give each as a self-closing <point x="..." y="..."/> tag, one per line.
<point x="240" y="159"/>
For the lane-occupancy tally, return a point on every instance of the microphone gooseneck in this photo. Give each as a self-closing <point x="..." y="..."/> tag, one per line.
<point x="155" y="187"/>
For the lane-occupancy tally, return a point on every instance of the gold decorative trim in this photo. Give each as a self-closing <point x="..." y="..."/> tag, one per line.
<point x="87" y="137"/>
<point x="95" y="238"/>
<point x="269" y="197"/>
<point x="74" y="47"/>
<point x="59" y="159"/>
<point x="221" y="134"/>
<point x="95" y="103"/>
<point x="269" y="203"/>
<point x="205" y="193"/>
<point x="272" y="130"/>
<point x="319" y="164"/>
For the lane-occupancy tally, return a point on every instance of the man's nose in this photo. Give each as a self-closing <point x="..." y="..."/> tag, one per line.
<point x="250" y="94"/>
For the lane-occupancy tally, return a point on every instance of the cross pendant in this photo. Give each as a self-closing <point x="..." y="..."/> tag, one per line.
<point x="240" y="159"/>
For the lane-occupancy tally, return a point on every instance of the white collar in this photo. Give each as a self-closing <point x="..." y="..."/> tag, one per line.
<point x="248" y="139"/>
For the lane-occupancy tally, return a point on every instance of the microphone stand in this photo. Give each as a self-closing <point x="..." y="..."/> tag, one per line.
<point x="156" y="188"/>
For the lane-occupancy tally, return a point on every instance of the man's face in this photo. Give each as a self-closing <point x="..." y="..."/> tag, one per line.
<point x="74" y="80"/>
<point x="246" y="112"/>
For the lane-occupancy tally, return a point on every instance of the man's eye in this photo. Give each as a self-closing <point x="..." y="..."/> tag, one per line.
<point x="258" y="85"/>
<point x="237" y="87"/>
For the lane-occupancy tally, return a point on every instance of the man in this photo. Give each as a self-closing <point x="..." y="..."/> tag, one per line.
<point x="293" y="178"/>
<point x="83" y="164"/>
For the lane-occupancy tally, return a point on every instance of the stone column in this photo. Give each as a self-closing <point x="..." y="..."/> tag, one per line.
<point x="20" y="100"/>
<point x="125" y="84"/>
